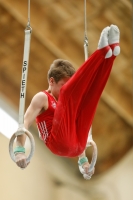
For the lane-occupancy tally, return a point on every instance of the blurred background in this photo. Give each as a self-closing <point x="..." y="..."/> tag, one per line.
<point x="58" y="32"/>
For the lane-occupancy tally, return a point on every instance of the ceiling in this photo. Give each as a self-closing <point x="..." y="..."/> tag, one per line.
<point x="58" y="32"/>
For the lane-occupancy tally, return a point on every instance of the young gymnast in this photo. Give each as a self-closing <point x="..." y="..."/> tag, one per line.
<point x="64" y="112"/>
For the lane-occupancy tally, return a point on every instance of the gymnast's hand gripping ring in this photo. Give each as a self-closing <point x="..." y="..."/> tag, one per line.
<point x="21" y="131"/>
<point x="93" y="162"/>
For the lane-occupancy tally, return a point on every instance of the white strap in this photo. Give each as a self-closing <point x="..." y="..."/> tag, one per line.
<point x="86" y="47"/>
<point x="24" y="77"/>
<point x="90" y="141"/>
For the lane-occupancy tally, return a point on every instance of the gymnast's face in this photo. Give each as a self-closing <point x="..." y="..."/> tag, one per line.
<point x="55" y="87"/>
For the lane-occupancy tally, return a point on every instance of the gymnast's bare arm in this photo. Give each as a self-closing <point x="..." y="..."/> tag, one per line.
<point x="38" y="103"/>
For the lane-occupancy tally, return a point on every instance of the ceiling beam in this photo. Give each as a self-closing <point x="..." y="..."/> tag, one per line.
<point x="37" y="33"/>
<point x="58" y="53"/>
<point x="112" y="103"/>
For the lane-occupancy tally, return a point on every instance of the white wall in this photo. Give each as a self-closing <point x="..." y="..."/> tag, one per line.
<point x="54" y="178"/>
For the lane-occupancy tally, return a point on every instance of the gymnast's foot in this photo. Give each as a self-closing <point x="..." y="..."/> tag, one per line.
<point x="113" y="39"/>
<point x="103" y="41"/>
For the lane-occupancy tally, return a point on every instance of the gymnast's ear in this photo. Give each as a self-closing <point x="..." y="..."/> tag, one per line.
<point x="51" y="81"/>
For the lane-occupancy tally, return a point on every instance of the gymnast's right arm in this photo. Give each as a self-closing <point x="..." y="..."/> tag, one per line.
<point x="38" y="103"/>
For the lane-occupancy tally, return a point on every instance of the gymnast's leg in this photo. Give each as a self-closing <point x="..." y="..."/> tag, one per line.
<point x="91" y="98"/>
<point x="79" y="97"/>
<point x="113" y="41"/>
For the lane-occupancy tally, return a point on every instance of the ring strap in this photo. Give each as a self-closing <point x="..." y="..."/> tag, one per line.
<point x="24" y="76"/>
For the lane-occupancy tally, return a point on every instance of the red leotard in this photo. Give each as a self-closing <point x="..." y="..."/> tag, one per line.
<point x="45" y="119"/>
<point x="68" y="132"/>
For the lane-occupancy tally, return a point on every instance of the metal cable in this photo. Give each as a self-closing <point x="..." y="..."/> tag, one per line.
<point x="28" y="24"/>
<point x="85" y="31"/>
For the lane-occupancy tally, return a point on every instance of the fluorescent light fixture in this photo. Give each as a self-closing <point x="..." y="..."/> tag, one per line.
<point x="8" y="125"/>
<point x="8" y="122"/>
